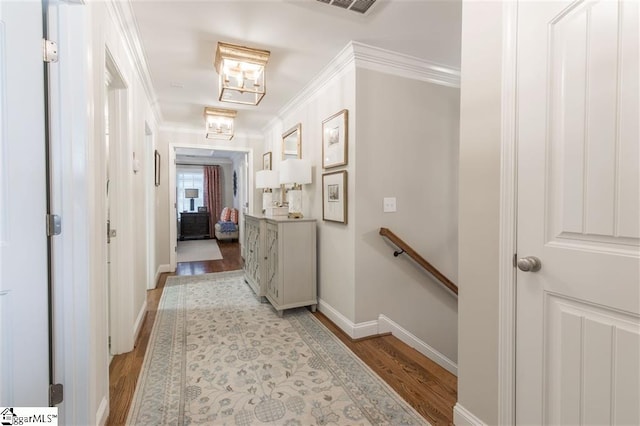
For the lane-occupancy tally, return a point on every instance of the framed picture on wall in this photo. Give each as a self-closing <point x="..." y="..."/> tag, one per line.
<point x="266" y="161"/>
<point x="334" y="196"/>
<point x="157" y="168"/>
<point x="335" y="140"/>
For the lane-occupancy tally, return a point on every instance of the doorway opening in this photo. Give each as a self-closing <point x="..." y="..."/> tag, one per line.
<point x="187" y="183"/>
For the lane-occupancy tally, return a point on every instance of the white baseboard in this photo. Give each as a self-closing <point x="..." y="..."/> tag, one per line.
<point x="338" y="319"/>
<point x="162" y="269"/>
<point x="355" y="331"/>
<point x="463" y="417"/>
<point x="137" y="326"/>
<point x="103" y="412"/>
<point x="386" y="325"/>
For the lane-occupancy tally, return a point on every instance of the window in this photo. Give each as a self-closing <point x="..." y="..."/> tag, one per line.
<point x="189" y="177"/>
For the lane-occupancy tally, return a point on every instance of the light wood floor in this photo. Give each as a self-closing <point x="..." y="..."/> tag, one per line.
<point x="429" y="388"/>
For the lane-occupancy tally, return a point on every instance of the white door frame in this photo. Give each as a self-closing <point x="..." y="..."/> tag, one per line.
<point x="70" y="144"/>
<point x="508" y="221"/>
<point x="149" y="193"/>
<point x="173" y="232"/>
<point x="121" y="286"/>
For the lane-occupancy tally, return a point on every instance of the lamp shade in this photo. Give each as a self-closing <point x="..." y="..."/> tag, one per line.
<point x="296" y="171"/>
<point x="267" y="179"/>
<point x="191" y="193"/>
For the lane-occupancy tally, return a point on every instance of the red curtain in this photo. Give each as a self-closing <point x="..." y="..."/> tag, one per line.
<point x="212" y="198"/>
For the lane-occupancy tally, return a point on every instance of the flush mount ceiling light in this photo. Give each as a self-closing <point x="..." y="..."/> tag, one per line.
<point x="219" y="123"/>
<point x="242" y="73"/>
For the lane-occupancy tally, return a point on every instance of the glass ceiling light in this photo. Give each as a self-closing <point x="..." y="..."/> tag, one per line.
<point x="219" y="123"/>
<point x="241" y="73"/>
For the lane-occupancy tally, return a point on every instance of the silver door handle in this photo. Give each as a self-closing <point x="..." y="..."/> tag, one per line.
<point x="529" y="264"/>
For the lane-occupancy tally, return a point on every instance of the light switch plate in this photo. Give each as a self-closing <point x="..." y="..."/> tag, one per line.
<point x="389" y="204"/>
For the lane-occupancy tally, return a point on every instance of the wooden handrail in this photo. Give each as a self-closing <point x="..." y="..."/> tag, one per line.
<point x="406" y="248"/>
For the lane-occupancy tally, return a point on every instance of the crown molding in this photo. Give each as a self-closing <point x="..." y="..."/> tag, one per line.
<point x="360" y="55"/>
<point x="390" y="62"/>
<point x="339" y="65"/>
<point x="129" y="27"/>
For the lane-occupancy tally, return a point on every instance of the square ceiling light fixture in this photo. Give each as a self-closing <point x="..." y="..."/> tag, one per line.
<point x="242" y="73"/>
<point x="219" y="123"/>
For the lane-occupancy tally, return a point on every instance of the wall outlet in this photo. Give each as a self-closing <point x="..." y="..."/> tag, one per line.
<point x="389" y="204"/>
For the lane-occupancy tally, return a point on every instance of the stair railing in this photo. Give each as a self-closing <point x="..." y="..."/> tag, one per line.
<point x="406" y="248"/>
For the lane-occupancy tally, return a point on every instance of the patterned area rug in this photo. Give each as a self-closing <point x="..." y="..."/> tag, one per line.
<point x="217" y="356"/>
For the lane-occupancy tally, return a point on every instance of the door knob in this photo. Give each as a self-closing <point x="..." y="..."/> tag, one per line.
<point x="529" y="264"/>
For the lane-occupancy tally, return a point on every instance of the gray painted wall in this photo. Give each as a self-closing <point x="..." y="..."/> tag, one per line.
<point x="480" y="136"/>
<point x="407" y="148"/>
<point x="403" y="142"/>
<point x="336" y="250"/>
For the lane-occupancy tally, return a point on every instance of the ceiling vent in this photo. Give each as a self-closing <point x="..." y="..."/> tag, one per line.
<point x="360" y="6"/>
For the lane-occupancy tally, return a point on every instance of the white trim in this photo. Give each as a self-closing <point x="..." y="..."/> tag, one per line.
<point x="508" y="221"/>
<point x="103" y="412"/>
<point x="386" y="325"/>
<point x="401" y="65"/>
<point x="71" y="188"/>
<point x="123" y="12"/>
<point x="373" y="58"/>
<point x="121" y="282"/>
<point x="353" y="330"/>
<point x="344" y="323"/>
<point x="137" y="325"/>
<point x="162" y="269"/>
<point x="464" y="417"/>
<point x="333" y="70"/>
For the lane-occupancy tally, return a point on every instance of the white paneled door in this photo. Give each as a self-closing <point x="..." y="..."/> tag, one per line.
<point x="578" y="329"/>
<point x="24" y="333"/>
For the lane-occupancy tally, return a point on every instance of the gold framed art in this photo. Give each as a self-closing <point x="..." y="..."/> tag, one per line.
<point x="334" y="196"/>
<point x="266" y="161"/>
<point x="335" y="140"/>
<point x="292" y="142"/>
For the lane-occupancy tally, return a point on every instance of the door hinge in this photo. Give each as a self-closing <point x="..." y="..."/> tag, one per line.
<point x="54" y="225"/>
<point x="515" y="260"/>
<point x="56" y="394"/>
<point x="49" y="51"/>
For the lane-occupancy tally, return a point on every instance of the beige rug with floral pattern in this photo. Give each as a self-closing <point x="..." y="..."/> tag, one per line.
<point x="217" y="356"/>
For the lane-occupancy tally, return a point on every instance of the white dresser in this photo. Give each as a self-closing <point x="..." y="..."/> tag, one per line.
<point x="280" y="260"/>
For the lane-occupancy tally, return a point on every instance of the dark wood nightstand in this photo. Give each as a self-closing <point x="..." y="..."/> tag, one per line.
<point x="194" y="225"/>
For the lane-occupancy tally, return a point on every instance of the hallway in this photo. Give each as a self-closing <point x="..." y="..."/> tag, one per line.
<point x="430" y="389"/>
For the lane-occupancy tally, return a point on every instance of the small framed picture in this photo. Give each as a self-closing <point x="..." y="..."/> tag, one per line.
<point x="334" y="196"/>
<point x="335" y="140"/>
<point x="266" y="161"/>
<point x="202" y="209"/>
<point x="157" y="168"/>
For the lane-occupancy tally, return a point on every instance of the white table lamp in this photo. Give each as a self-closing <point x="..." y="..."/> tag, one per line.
<point x="267" y="180"/>
<point x="296" y="172"/>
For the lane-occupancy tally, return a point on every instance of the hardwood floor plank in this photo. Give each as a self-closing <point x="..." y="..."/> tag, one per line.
<point x="426" y="386"/>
